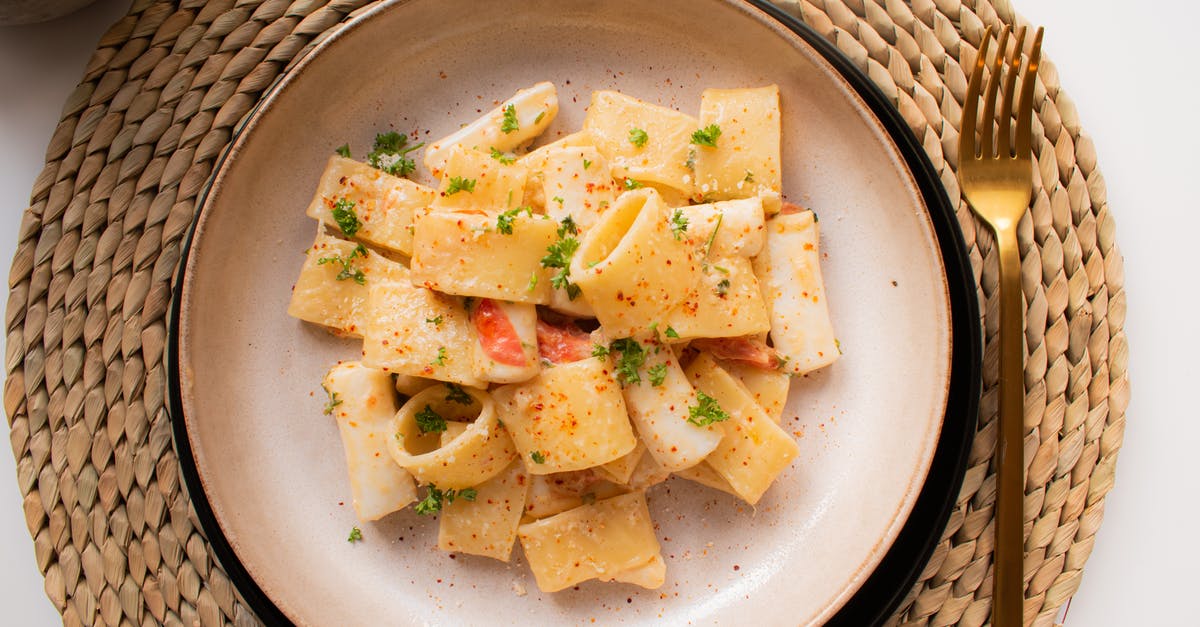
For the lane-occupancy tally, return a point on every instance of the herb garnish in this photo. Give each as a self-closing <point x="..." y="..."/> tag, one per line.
<point x="631" y="184"/>
<point x="599" y="350"/>
<point x="345" y="217"/>
<point x="586" y="164"/>
<point x="456" y="394"/>
<point x="638" y="137"/>
<point x="390" y="154"/>
<point x="343" y="150"/>
<point x="334" y="401"/>
<point x="558" y="255"/>
<point x="632" y="357"/>
<point x="679" y="224"/>
<point x="504" y="221"/>
<point x="707" y="136"/>
<point x="437" y="322"/>
<point x="672" y="333"/>
<point x="355" y="535"/>
<point x="348" y="270"/>
<point x="510" y="123"/>
<point x="722" y="288"/>
<point x="706" y="412"/>
<point x="429" y="421"/>
<point x="441" y="357"/>
<point x="538" y="457"/>
<point x="434" y="498"/>
<point x="658" y="374"/>
<point x="460" y="184"/>
<point x="506" y="159"/>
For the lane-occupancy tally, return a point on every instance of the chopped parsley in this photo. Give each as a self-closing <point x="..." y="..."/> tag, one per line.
<point x="539" y="117"/>
<point x="510" y="124"/>
<point x="658" y="374"/>
<point x="343" y="150"/>
<point x="456" y="394"/>
<point x="538" y="457"/>
<point x="506" y="159"/>
<point x="504" y="221"/>
<point x="434" y="498"/>
<point x="460" y="184"/>
<point x="441" y="356"/>
<point x="632" y="357"/>
<point x="638" y="137"/>
<point x="707" y="136"/>
<point x="558" y="255"/>
<point x="586" y="164"/>
<point x="348" y="270"/>
<point x="679" y="224"/>
<point x="599" y="350"/>
<point x="533" y="281"/>
<point x="712" y="237"/>
<point x="355" y="535"/>
<point x="631" y="184"/>
<point x="559" y="200"/>
<point x="722" y="288"/>
<point x="346" y="218"/>
<point x="672" y="333"/>
<point x="429" y="421"/>
<point x="334" y="401"/>
<point x="390" y="154"/>
<point x="691" y="160"/>
<point x="437" y="322"/>
<point x="706" y="412"/>
<point x="749" y="177"/>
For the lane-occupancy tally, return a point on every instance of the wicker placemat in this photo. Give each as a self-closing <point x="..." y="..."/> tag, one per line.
<point x="92" y="277"/>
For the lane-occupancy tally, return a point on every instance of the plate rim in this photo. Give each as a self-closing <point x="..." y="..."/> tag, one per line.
<point x="897" y="571"/>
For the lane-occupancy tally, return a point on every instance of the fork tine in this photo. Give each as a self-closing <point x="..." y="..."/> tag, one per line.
<point x="1025" y="107"/>
<point x="966" y="137"/>
<point x="989" y="98"/>
<point x="1003" y="141"/>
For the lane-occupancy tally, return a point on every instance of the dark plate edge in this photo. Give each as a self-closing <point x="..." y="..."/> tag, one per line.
<point x="896" y="574"/>
<point x="883" y="591"/>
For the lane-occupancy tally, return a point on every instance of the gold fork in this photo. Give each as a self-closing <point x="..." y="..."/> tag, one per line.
<point x="997" y="180"/>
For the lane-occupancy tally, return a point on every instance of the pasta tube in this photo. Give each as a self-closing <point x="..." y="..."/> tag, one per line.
<point x="610" y="539"/>
<point x="743" y="158"/>
<point x="372" y="205"/>
<point x="659" y="153"/>
<point x="363" y="402"/>
<point x="515" y="122"/>
<point x="789" y="270"/>
<point x="331" y="289"/>
<point x="487" y="525"/>
<point x="479" y="453"/>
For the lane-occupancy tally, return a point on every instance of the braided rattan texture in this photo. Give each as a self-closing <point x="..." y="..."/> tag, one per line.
<point x="160" y="99"/>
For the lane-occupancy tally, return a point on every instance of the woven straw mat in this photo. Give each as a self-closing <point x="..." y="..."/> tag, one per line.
<point x="160" y="98"/>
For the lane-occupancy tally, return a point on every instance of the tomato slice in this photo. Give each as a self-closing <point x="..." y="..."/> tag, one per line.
<point x="749" y="351"/>
<point x="562" y="344"/>
<point x="790" y="208"/>
<point x="497" y="335"/>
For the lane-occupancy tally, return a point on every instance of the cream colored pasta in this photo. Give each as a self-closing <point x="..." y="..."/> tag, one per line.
<point x="576" y="182"/>
<point x="727" y="302"/>
<point x="745" y="158"/>
<point x="727" y="228"/>
<point x="570" y="417"/>
<point x="769" y="388"/>
<point x="412" y="330"/>
<point x="704" y="474"/>
<point x="789" y="270"/>
<point x="475" y="182"/>
<point x="660" y="413"/>
<point x="613" y="121"/>
<point x="754" y="450"/>
<point x="532" y="110"/>
<point x="561" y="491"/>
<point x="327" y="291"/>
<point x="487" y="524"/>
<point x="381" y="205"/>
<point x="363" y="402"/>
<point x="610" y="539"/>
<point x="468" y="255"/>
<point x="630" y="266"/>
<point x="619" y="470"/>
<point x="479" y="453"/>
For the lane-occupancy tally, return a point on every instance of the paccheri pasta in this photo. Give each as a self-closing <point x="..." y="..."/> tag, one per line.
<point x="549" y="333"/>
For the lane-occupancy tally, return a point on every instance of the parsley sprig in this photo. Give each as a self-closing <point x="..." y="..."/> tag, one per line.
<point x="348" y="270"/>
<point x="390" y="154"/>
<point x="679" y="224"/>
<point x="504" y="158"/>
<point x="558" y="255"/>
<point x="456" y="394"/>
<point x="638" y="137"/>
<point x="435" y="499"/>
<point x="657" y="374"/>
<point x="429" y="421"/>
<point x="504" y="221"/>
<point x="345" y="216"/>
<point x="706" y="412"/>
<point x="355" y="535"/>
<point x="460" y="184"/>
<point x="510" y="123"/>
<point x="334" y="401"/>
<point x="630" y="359"/>
<point x="707" y="136"/>
<point x="538" y="457"/>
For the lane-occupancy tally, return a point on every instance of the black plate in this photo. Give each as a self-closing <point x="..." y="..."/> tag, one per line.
<point x="883" y="591"/>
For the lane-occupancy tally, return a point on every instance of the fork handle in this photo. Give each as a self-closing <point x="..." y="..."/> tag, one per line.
<point x="1008" y="595"/>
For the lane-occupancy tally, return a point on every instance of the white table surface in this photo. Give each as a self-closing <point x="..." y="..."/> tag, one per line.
<point x="1136" y="94"/>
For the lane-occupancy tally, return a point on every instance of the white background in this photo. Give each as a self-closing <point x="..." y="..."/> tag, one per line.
<point x="1128" y="71"/>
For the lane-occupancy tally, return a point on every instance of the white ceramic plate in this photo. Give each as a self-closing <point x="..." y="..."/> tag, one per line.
<point x="266" y="467"/>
